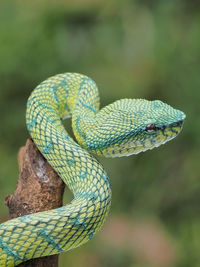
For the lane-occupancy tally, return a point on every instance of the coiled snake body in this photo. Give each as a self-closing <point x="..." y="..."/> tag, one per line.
<point x="127" y="126"/>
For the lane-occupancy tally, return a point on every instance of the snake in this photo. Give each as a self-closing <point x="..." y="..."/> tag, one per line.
<point x="125" y="127"/>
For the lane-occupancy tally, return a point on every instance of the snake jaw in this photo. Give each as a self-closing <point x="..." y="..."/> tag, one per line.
<point x="161" y="136"/>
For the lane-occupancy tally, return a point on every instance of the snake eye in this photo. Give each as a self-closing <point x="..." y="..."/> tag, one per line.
<point x="150" y="128"/>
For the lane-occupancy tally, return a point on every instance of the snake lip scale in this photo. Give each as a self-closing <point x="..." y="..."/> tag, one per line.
<point x="125" y="127"/>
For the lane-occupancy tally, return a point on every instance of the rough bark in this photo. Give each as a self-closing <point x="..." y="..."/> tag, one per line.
<point x="39" y="188"/>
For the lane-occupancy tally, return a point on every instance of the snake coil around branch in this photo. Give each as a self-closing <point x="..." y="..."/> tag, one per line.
<point x="125" y="127"/>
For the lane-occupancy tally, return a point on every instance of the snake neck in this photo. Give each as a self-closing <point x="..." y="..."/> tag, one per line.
<point x="84" y="111"/>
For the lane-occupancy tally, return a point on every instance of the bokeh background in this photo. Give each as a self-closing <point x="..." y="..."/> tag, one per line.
<point x="135" y="49"/>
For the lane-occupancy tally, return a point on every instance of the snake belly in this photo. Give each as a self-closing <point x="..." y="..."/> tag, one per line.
<point x="58" y="230"/>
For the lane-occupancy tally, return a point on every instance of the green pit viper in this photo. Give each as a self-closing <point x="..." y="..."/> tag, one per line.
<point x="125" y="127"/>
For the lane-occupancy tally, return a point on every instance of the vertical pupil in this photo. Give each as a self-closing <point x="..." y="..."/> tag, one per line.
<point x="150" y="127"/>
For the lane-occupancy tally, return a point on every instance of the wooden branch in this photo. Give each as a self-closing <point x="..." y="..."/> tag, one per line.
<point x="38" y="188"/>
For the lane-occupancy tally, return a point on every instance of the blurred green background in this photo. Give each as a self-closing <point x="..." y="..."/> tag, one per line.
<point x="134" y="49"/>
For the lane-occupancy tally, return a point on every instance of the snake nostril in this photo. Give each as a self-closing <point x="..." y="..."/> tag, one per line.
<point x="177" y="124"/>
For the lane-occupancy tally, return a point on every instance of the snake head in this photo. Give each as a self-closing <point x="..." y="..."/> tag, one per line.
<point x="130" y="126"/>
